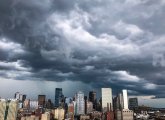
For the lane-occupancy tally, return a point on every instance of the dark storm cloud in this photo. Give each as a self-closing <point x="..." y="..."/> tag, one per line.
<point x="101" y="43"/>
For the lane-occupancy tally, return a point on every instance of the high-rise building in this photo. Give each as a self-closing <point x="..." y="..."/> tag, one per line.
<point x="17" y="95"/>
<point x="122" y="112"/>
<point x="23" y="98"/>
<point x="71" y="111"/>
<point x="49" y="104"/>
<point x="2" y="108"/>
<point x="133" y="103"/>
<point x="89" y="107"/>
<point x="11" y="110"/>
<point x="92" y="98"/>
<point x="107" y="104"/>
<point x="125" y="99"/>
<point x="85" y="100"/>
<point x="41" y="100"/>
<point x="58" y="96"/>
<point x="80" y="103"/>
<point x="120" y="101"/>
<point x="20" y="96"/>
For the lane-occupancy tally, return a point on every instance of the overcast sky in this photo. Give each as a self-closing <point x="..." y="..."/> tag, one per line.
<point x="82" y="44"/>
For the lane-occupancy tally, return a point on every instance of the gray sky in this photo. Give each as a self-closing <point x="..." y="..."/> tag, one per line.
<point x="82" y="44"/>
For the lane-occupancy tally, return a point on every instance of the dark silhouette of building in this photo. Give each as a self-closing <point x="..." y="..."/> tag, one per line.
<point x="92" y="98"/>
<point x="41" y="100"/>
<point x="49" y="104"/>
<point x="23" y="98"/>
<point x="58" y="96"/>
<point x="85" y="98"/>
<point x="133" y="103"/>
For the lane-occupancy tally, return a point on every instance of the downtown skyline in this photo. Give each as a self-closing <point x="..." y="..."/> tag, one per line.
<point x="82" y="45"/>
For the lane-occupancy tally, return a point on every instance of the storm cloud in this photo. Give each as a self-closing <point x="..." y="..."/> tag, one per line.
<point x="118" y="44"/>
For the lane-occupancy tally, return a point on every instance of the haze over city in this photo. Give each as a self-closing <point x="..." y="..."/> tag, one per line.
<point x="83" y="45"/>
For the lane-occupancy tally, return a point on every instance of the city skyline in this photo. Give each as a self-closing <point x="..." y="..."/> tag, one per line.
<point x="82" y="45"/>
<point x="150" y="101"/>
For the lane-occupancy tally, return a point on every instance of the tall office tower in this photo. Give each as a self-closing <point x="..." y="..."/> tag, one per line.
<point x="89" y="107"/>
<point x="123" y="113"/>
<point x="133" y="103"/>
<point x="80" y="103"/>
<point x="58" y="96"/>
<point x="120" y="101"/>
<point x="92" y="98"/>
<point x="106" y="99"/>
<point x="11" y="110"/>
<point x="85" y="99"/>
<point x="75" y="107"/>
<point x="23" y="98"/>
<point x="2" y="108"/>
<point x="41" y="100"/>
<point x="71" y="111"/>
<point x="115" y="103"/>
<point x="17" y="95"/>
<point x="20" y="96"/>
<point x="125" y="99"/>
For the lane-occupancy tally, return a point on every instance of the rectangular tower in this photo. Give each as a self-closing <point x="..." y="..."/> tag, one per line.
<point x="41" y="100"/>
<point x="125" y="99"/>
<point x="80" y="103"/>
<point x="92" y="98"/>
<point x="107" y="104"/>
<point x="58" y="96"/>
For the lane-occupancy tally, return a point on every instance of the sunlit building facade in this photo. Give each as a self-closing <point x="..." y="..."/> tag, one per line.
<point x="107" y="103"/>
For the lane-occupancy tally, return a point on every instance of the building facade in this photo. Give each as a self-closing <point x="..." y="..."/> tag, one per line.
<point x="11" y="110"/>
<point x="125" y="99"/>
<point x="92" y="98"/>
<point x="2" y="109"/>
<point x="133" y="103"/>
<point x="107" y="103"/>
<point x="59" y="113"/>
<point x="80" y="103"/>
<point x="58" y="96"/>
<point x="41" y="100"/>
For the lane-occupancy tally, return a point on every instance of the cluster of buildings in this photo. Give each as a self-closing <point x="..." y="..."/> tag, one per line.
<point x="79" y="107"/>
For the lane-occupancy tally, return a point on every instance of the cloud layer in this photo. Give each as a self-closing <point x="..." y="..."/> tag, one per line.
<point x="118" y="44"/>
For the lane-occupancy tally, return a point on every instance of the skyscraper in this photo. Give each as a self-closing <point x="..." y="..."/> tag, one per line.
<point x="41" y="100"/>
<point x="133" y="103"/>
<point x="11" y="110"/>
<point x="122" y="112"/>
<point x="20" y="97"/>
<point x="106" y="99"/>
<point x="58" y="96"/>
<point x="17" y="95"/>
<point x="2" y="109"/>
<point x="80" y="103"/>
<point x="92" y="98"/>
<point x="120" y="101"/>
<point x="125" y="99"/>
